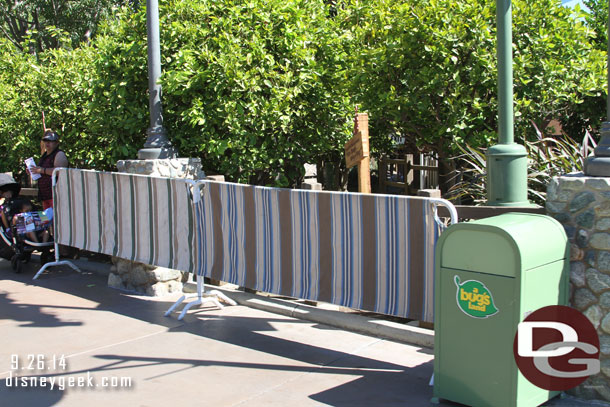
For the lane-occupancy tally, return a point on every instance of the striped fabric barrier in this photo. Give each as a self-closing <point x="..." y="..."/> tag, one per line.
<point x="139" y="218"/>
<point x="369" y="252"/>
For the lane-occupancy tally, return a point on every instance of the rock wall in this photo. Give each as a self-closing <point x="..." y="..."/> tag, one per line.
<point x="582" y="205"/>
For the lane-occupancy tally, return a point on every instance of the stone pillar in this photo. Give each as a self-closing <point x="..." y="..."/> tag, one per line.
<point x="144" y="278"/>
<point x="582" y="205"/>
<point x="311" y="178"/>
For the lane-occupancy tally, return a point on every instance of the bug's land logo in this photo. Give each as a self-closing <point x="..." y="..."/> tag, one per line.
<point x="474" y="299"/>
<point x="556" y="348"/>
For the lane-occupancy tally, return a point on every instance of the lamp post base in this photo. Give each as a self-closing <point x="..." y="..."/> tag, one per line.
<point x="157" y="145"/>
<point x="598" y="165"/>
<point x="507" y="175"/>
<point x="157" y="153"/>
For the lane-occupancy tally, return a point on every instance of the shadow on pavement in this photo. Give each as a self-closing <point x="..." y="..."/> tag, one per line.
<point x="391" y="384"/>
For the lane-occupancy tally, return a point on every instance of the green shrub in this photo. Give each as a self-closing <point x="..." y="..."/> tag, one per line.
<point x="547" y="157"/>
<point x="251" y="87"/>
<point x="256" y="89"/>
<point x="426" y="70"/>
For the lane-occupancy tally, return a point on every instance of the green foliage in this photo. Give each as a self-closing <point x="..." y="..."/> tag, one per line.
<point x="426" y="69"/>
<point x="94" y="96"/>
<point x="251" y="86"/>
<point x="597" y="20"/>
<point x="39" y="25"/>
<point x="547" y="157"/>
<point x="258" y="88"/>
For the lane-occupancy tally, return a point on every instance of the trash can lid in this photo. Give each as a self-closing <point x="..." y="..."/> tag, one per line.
<point x="503" y="245"/>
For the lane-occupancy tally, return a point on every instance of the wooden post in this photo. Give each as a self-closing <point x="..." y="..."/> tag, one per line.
<point x="364" y="167"/>
<point x="357" y="152"/>
<point x="407" y="173"/>
<point x="383" y="173"/>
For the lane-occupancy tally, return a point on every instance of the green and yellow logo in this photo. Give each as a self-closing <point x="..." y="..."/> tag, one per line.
<point x="474" y="299"/>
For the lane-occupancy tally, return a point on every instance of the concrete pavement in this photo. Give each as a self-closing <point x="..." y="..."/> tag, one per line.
<point x="99" y="346"/>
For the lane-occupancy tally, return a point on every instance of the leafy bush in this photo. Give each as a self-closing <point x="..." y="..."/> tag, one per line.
<point x="95" y="97"/>
<point x="547" y="157"/>
<point x="256" y="89"/>
<point x="429" y="75"/>
<point x="252" y="87"/>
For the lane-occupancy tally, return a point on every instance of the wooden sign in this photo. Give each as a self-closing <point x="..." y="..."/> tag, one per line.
<point x="356" y="149"/>
<point x="357" y="152"/>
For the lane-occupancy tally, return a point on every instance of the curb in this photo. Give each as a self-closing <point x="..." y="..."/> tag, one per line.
<point x="350" y="322"/>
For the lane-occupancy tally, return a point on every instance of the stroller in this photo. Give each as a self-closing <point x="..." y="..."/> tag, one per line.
<point x="17" y="228"/>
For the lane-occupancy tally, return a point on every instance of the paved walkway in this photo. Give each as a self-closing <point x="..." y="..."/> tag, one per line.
<point x="119" y="350"/>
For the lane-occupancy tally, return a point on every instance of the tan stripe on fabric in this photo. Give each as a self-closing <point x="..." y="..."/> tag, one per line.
<point x="182" y="259"/>
<point x="175" y="232"/>
<point x="86" y="211"/>
<point x="326" y="249"/>
<point x="430" y="225"/>
<point x="92" y="211"/>
<point x="163" y="232"/>
<point x="141" y="202"/>
<point x="416" y="260"/>
<point x="369" y="259"/>
<point x="73" y="205"/>
<point x="217" y="265"/>
<point x="61" y="217"/>
<point x="128" y="235"/>
<point x="250" y="236"/>
<point x="119" y="215"/>
<point x="61" y="195"/>
<point x="285" y="241"/>
<point x="155" y="217"/>
<point x="103" y="213"/>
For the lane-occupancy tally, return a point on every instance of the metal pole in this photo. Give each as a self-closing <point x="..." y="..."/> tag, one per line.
<point x="506" y="161"/>
<point x="598" y="165"/>
<point x="157" y="145"/>
<point x="505" y="71"/>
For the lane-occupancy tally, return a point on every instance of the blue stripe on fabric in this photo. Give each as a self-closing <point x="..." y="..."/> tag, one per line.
<point x="390" y="259"/>
<point x="408" y="263"/>
<point x="426" y="254"/>
<point x="387" y="271"/>
<point x="232" y="199"/>
<point x="395" y="251"/>
<point x="265" y="242"/>
<point x="345" y="243"/>
<point x="298" y="281"/>
<point x="270" y="241"/>
<point x="306" y="251"/>
<point x="208" y="210"/>
<point x="277" y="240"/>
<point x="233" y="236"/>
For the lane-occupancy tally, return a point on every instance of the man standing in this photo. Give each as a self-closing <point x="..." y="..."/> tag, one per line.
<point x="51" y="158"/>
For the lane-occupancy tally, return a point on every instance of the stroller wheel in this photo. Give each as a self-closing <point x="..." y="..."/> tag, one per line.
<point x="16" y="263"/>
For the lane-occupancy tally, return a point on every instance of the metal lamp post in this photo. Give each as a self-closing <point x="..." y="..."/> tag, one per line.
<point x="598" y="165"/>
<point x="506" y="161"/>
<point x="157" y="145"/>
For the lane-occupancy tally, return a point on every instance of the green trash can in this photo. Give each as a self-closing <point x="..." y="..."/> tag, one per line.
<point x="491" y="274"/>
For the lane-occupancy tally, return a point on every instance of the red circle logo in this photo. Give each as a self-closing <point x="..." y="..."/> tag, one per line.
<point x="556" y="348"/>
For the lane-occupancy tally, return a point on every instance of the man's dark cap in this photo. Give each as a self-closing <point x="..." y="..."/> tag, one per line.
<point x="50" y="136"/>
